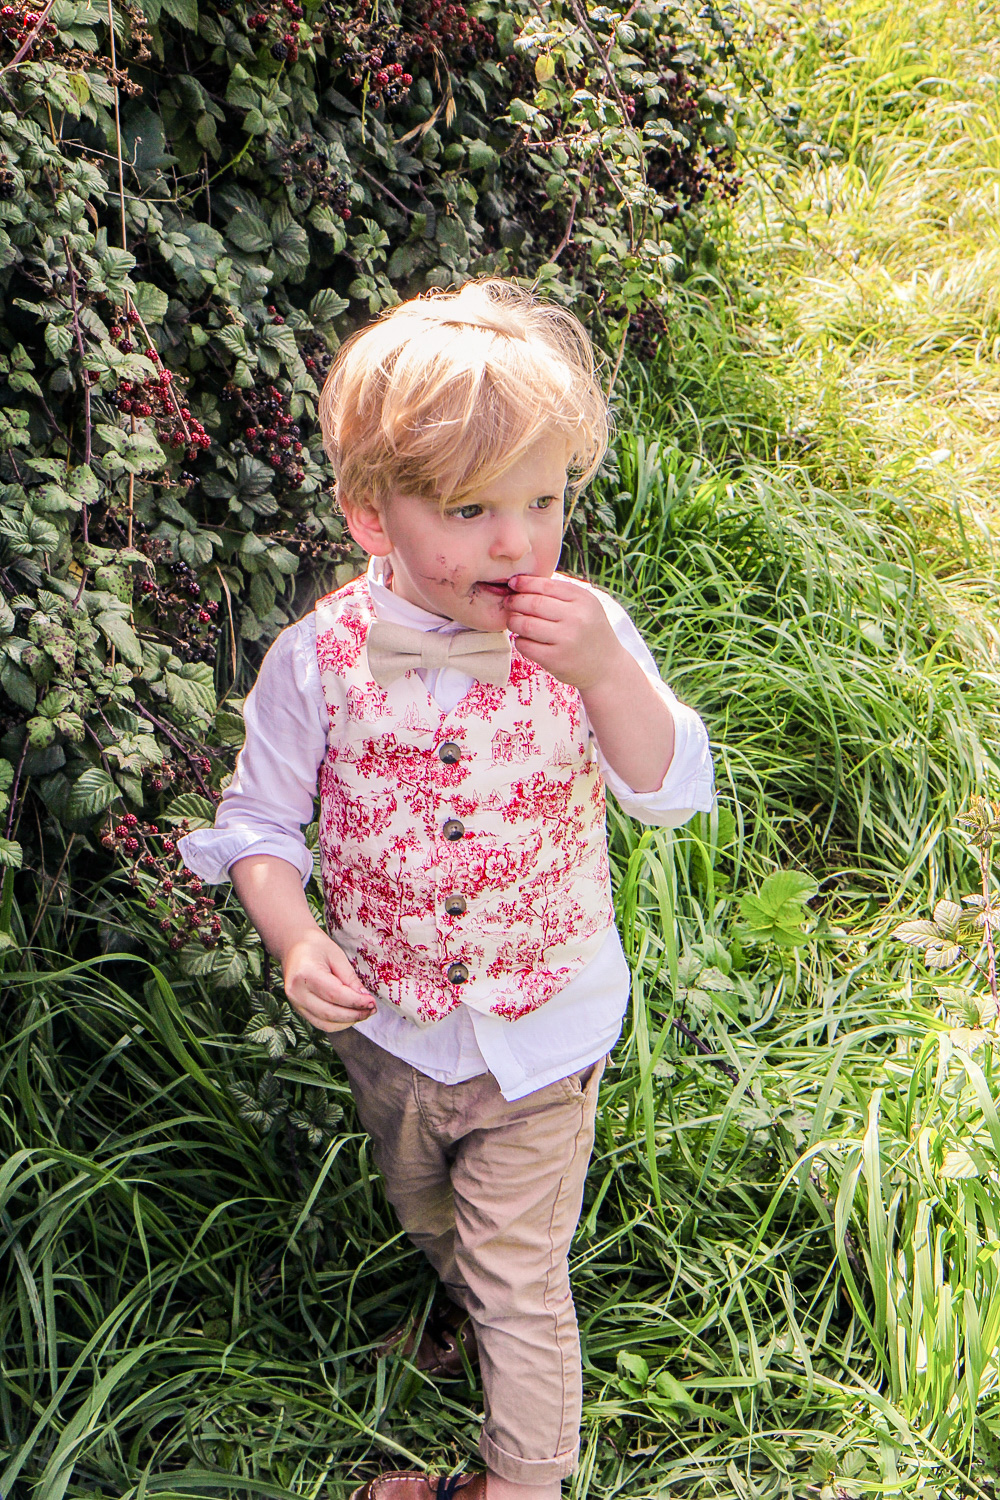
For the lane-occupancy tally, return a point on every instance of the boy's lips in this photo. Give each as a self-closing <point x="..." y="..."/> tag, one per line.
<point x="499" y="587"/>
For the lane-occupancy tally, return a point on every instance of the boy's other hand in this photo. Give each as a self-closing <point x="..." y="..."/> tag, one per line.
<point x="563" y="628"/>
<point x="322" y="986"/>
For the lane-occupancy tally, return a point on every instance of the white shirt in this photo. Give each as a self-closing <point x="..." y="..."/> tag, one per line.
<point x="272" y="795"/>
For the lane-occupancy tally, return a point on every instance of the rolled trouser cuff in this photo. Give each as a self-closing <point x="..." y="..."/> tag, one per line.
<point x="527" y="1470"/>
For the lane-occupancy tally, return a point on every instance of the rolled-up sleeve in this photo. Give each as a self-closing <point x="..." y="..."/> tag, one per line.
<point x="272" y="792"/>
<point x="689" y="784"/>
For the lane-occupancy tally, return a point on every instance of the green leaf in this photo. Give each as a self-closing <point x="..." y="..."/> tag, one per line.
<point x="58" y="339"/>
<point x="197" y="810"/>
<point x="119" y="633"/>
<point x="247" y="232"/>
<point x="150" y="301"/>
<point x="91" y="793"/>
<point x="191" y="689"/>
<point x="10" y="854"/>
<point x="777" y="913"/>
<point x="184" y="11"/>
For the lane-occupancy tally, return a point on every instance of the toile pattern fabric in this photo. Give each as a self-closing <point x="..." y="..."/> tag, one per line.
<point x="531" y="861"/>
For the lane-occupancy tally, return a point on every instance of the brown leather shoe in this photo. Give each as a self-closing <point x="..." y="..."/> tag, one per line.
<point x="447" y="1331"/>
<point x="409" y="1485"/>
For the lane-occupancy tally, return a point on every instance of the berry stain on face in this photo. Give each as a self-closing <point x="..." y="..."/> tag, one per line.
<point x="457" y="562"/>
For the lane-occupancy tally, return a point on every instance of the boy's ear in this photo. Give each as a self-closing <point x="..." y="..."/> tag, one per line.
<point x="364" y="523"/>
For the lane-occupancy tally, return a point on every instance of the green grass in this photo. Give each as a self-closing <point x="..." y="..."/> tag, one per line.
<point x="784" y="1288"/>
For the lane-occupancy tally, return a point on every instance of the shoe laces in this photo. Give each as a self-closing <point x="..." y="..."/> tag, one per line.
<point x="448" y="1488"/>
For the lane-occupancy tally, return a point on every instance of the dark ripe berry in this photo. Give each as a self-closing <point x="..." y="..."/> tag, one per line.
<point x="185" y="413"/>
<point x="165" y="924"/>
<point x="258" y="21"/>
<point x="290" y="39"/>
<point x="284" y="441"/>
<point x="132" y="315"/>
<point x="130" y="820"/>
<point x="143" y="409"/>
<point x="116" y="331"/>
<point x="125" y="406"/>
<point x="279" y="51"/>
<point x="93" y="376"/>
<point x="382" y="78"/>
<point x="126" y="346"/>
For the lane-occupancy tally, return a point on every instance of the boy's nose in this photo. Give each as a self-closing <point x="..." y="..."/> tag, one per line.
<point x="510" y="540"/>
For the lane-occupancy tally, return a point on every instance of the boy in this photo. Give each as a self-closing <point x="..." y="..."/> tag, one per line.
<point x="462" y="706"/>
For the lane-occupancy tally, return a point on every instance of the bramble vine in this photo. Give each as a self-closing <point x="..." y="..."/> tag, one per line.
<point x="196" y="205"/>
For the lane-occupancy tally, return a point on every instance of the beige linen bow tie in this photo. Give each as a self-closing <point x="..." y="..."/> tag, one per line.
<point x="395" y="649"/>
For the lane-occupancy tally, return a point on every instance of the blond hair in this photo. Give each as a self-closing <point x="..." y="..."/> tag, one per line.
<point x="444" y="393"/>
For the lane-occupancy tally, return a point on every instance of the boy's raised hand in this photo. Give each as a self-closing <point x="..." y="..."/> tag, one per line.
<point x="321" y="984"/>
<point x="563" y="628"/>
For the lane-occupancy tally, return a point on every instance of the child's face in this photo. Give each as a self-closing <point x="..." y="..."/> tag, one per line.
<point x="457" y="563"/>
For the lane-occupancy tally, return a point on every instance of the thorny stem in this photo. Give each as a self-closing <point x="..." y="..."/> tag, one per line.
<point x="78" y="331"/>
<point x="14" y="788"/>
<point x="29" y="40"/>
<point x="140" y="708"/>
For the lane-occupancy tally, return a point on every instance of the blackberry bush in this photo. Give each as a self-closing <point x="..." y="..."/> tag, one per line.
<point x="194" y="210"/>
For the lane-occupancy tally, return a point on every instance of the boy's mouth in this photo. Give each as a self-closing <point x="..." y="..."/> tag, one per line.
<point x="498" y="587"/>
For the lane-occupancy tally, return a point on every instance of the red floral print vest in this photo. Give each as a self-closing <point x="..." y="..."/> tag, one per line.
<point x="464" y="854"/>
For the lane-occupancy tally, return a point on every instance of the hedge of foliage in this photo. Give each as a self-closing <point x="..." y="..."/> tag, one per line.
<point x="196" y="204"/>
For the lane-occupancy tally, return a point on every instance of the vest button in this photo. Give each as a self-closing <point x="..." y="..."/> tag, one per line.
<point x="453" y="829"/>
<point x="454" y="906"/>
<point x="450" y="753"/>
<point x="458" y="974"/>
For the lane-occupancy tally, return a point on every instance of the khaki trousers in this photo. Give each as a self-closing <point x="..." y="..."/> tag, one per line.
<point x="491" y="1193"/>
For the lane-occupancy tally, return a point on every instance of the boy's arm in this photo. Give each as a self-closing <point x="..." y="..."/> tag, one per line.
<point x="318" y="977"/>
<point x="563" y="627"/>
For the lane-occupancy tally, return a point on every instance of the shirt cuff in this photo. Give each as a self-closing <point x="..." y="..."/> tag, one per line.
<point x="210" y="851"/>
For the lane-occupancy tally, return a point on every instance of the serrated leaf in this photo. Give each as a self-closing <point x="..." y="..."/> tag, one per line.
<point x="58" y="339"/>
<point x="247" y="232"/>
<point x="119" y="633"/>
<point x="91" y="793"/>
<point x="960" y="1163"/>
<point x="10" y="853"/>
<point x="198" y="810"/>
<point x="776" y="913"/>
<point x="184" y="11"/>
<point x="151" y="302"/>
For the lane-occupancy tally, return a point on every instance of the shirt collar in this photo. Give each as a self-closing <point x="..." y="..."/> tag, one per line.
<point x="388" y="606"/>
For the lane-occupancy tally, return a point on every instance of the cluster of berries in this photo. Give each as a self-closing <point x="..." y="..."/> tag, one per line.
<point x="190" y="624"/>
<point x="312" y="546"/>
<point x="446" y="27"/>
<point x="268" y="429"/>
<point x="8" y="184"/>
<point x="155" y="397"/>
<point x="382" y="70"/>
<point x="161" y="776"/>
<point x="316" y="356"/>
<point x="281" y="20"/>
<point x="306" y="169"/>
<point x="170" y="887"/>
<point x="17" y="22"/>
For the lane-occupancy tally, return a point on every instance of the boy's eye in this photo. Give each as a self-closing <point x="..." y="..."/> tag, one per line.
<point x="545" y="501"/>
<point x="467" y="512"/>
